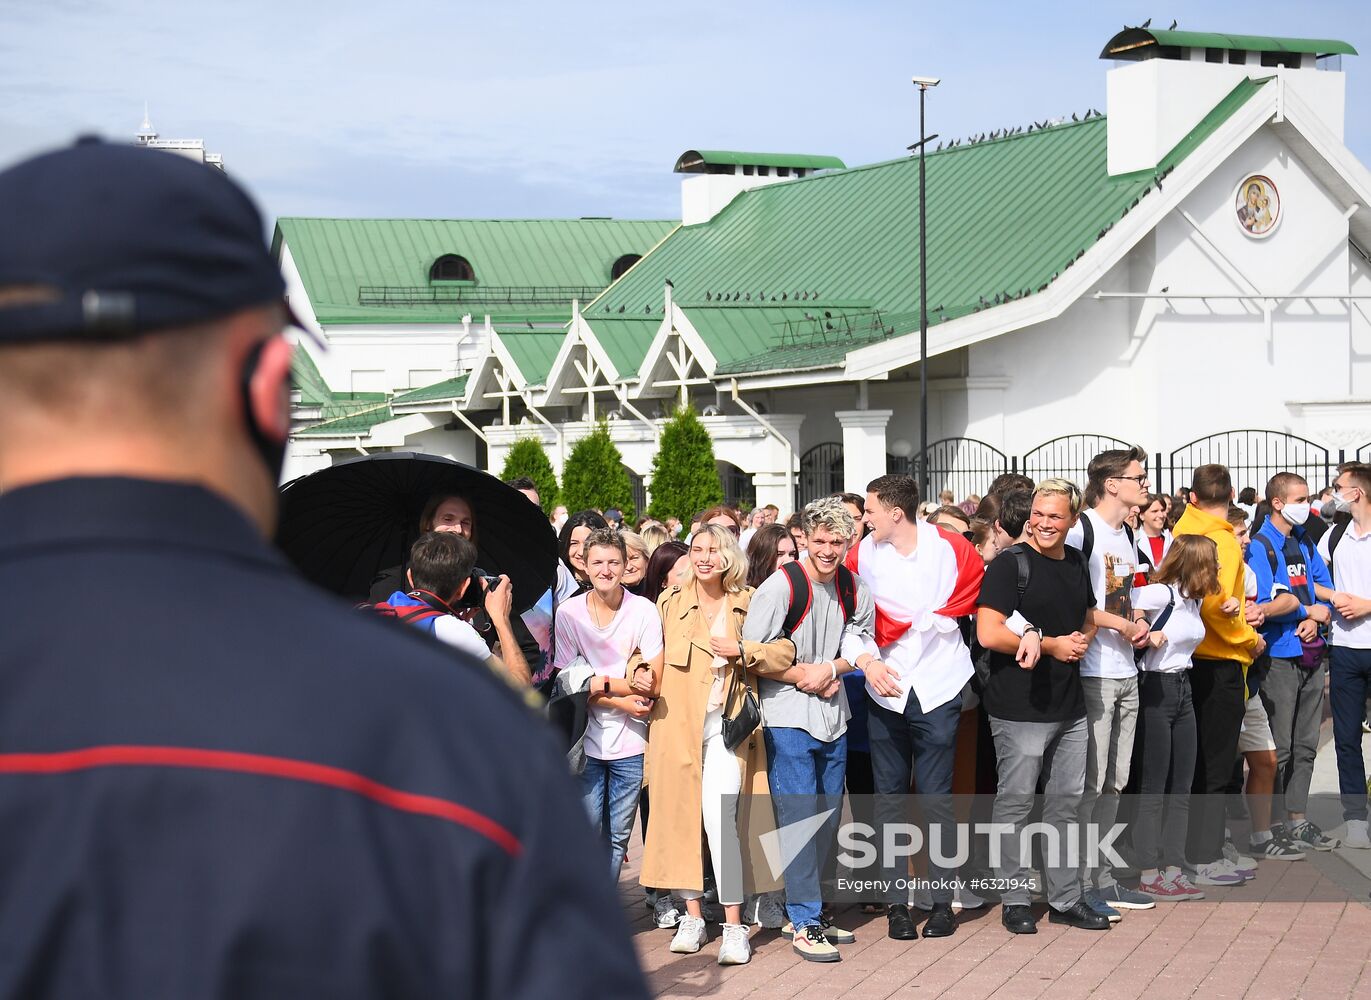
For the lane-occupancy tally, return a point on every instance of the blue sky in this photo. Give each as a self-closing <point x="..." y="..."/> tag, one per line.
<point x="521" y="108"/>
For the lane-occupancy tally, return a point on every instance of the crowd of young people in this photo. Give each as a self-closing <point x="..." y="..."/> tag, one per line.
<point x="1086" y="657"/>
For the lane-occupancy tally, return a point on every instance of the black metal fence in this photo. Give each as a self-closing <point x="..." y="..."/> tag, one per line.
<point x="960" y="465"/>
<point x="1253" y="457"/>
<point x="1066" y="457"/>
<point x="438" y="295"/>
<point x="821" y="473"/>
<point x="739" y="490"/>
<point x="967" y="465"/>
<point x="639" y="491"/>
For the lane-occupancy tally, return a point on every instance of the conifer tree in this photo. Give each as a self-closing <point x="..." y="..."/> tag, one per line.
<point x="685" y="479"/>
<point x="595" y="476"/>
<point x="527" y="458"/>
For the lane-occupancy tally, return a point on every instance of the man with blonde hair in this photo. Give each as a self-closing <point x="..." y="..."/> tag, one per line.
<point x="1037" y="710"/>
<point x="821" y="607"/>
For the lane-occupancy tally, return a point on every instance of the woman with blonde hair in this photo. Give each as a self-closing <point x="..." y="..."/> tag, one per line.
<point x="1166" y="726"/>
<point x="704" y="681"/>
<point x="635" y="566"/>
<point x="654" y="534"/>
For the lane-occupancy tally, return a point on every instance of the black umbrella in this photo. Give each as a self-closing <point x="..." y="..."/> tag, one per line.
<point x="343" y="525"/>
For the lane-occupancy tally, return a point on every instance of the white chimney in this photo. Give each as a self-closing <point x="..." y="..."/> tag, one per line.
<point x="719" y="176"/>
<point x="1170" y="80"/>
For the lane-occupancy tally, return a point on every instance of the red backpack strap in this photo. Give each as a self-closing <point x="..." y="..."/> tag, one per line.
<point x="801" y="597"/>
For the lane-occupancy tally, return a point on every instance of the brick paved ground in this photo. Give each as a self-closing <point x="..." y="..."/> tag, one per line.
<point x="1300" y="930"/>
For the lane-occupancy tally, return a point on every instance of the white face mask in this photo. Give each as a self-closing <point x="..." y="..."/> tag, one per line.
<point x="1296" y="513"/>
<point x="1340" y="503"/>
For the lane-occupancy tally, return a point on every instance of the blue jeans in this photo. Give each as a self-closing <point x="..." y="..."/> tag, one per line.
<point x="610" y="790"/>
<point x="920" y="745"/>
<point x="806" y="778"/>
<point x="1348" y="685"/>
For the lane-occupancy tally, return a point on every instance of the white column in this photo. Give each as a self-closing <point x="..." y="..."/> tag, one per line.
<point x="771" y="488"/>
<point x="863" y="447"/>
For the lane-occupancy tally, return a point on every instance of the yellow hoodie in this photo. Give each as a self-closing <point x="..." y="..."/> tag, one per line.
<point x="1226" y="637"/>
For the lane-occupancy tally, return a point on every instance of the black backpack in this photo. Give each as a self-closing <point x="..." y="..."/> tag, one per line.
<point x="1088" y="539"/>
<point x="802" y="596"/>
<point x="980" y="657"/>
<point x="1339" y="530"/>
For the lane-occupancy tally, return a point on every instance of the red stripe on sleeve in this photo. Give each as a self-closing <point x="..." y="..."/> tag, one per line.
<point x="68" y="761"/>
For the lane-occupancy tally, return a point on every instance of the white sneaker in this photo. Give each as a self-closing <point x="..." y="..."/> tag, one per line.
<point x="735" y="948"/>
<point x="1356" y="835"/>
<point x="690" y="936"/>
<point x="1217" y="873"/>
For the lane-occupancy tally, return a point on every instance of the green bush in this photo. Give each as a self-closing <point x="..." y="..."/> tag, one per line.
<point x="595" y="476"/>
<point x="685" y="479"/>
<point x="527" y="458"/>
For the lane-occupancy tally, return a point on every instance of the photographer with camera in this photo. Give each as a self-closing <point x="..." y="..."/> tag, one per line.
<point x="440" y="576"/>
<point x="454" y="514"/>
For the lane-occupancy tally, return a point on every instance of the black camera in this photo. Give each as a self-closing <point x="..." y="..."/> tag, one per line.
<point x="480" y="583"/>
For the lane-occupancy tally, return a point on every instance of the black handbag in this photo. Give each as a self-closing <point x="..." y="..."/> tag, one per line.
<point x="749" y="715"/>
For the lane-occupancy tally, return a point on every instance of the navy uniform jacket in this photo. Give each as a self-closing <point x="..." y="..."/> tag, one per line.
<point x="217" y="781"/>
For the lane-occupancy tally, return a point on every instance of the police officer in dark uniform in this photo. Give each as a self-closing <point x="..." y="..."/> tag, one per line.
<point x="215" y="780"/>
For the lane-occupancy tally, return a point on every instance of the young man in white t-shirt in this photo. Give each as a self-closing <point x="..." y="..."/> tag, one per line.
<point x="1109" y="677"/>
<point x="1346" y="549"/>
<point x="605" y="627"/>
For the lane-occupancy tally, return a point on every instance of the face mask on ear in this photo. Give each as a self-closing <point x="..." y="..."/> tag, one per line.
<point x="271" y="451"/>
<point x="1340" y="503"/>
<point x="1296" y="513"/>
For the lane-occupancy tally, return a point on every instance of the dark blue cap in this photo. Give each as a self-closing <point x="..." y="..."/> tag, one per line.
<point x="105" y="241"/>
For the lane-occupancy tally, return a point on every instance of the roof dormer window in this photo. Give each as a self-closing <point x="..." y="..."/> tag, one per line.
<point x="623" y="264"/>
<point x="451" y="267"/>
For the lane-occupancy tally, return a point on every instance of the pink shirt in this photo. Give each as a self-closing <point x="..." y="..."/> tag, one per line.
<point x="611" y="733"/>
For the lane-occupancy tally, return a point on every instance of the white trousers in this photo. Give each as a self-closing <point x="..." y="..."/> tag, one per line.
<point x="721" y="783"/>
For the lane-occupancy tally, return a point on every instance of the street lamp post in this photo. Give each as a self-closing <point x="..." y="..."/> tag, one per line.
<point x="923" y="83"/>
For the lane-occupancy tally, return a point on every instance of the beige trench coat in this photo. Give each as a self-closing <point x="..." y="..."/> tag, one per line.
<point x="674" y="767"/>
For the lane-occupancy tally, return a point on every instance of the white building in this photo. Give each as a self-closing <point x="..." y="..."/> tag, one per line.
<point x="1191" y="265"/>
<point x="191" y="149"/>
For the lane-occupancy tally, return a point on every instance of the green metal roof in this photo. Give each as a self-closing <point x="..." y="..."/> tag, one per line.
<point x="1005" y="217"/>
<point x="764" y="338"/>
<point x="336" y="257"/>
<point x="626" y="340"/>
<point x="359" y="419"/>
<point x="314" y="391"/>
<point x="533" y="351"/>
<point x="452" y="388"/>
<point x="692" y="159"/>
<point x="1132" y="43"/>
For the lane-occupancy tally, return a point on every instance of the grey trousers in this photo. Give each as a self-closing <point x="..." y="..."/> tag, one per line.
<point x="1057" y="752"/>
<point x="1295" y="702"/>
<point x="1111" y="713"/>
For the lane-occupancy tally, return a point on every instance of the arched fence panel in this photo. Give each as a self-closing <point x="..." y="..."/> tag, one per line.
<point x="1253" y="457"/>
<point x="1067" y="457"/>
<point x="739" y="490"/>
<point x="960" y="464"/>
<point x="821" y="473"/>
